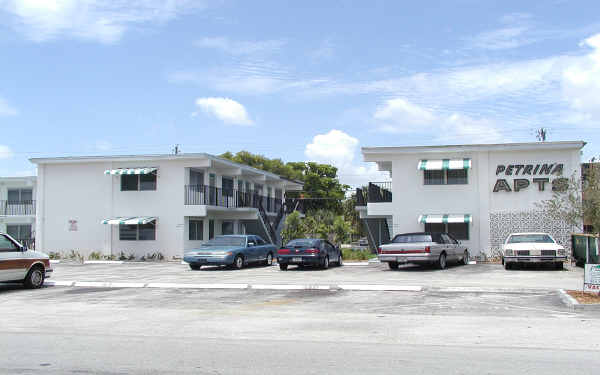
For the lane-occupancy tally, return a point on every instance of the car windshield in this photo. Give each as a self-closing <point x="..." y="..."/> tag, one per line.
<point x="410" y="238"/>
<point x="300" y="243"/>
<point x="534" y="238"/>
<point x="226" y="241"/>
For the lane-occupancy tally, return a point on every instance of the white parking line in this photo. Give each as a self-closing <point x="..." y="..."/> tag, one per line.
<point x="196" y="286"/>
<point x="372" y="287"/>
<point x="290" y="287"/>
<point x="103" y="262"/>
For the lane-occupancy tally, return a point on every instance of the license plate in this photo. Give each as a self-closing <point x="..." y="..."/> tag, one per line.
<point x="299" y="260"/>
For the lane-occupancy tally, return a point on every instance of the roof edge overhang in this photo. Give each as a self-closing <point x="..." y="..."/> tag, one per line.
<point x="372" y="154"/>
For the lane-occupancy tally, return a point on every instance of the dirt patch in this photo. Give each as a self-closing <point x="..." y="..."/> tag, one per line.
<point x="585" y="298"/>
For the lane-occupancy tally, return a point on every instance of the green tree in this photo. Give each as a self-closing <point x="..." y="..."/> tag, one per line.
<point x="293" y="227"/>
<point x="342" y="230"/>
<point x="575" y="199"/>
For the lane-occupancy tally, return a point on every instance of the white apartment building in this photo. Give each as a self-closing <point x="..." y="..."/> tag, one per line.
<point x="17" y="208"/>
<point x="478" y="193"/>
<point x="153" y="203"/>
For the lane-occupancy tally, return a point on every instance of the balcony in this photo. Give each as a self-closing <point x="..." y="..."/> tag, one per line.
<point x="17" y="208"/>
<point x="229" y="198"/>
<point x="379" y="192"/>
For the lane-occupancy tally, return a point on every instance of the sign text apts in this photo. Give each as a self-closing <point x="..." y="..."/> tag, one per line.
<point x="530" y="174"/>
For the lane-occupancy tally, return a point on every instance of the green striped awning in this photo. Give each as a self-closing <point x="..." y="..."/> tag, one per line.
<point x="120" y="171"/>
<point x="129" y="220"/>
<point x="445" y="219"/>
<point x="442" y="164"/>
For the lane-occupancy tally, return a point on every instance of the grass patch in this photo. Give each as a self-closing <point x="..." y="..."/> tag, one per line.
<point x="353" y="254"/>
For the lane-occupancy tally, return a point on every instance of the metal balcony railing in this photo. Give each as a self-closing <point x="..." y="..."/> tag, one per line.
<point x="231" y="198"/>
<point x="379" y="192"/>
<point x="16" y="208"/>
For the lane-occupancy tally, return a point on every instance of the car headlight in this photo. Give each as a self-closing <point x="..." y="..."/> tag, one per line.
<point x="508" y="252"/>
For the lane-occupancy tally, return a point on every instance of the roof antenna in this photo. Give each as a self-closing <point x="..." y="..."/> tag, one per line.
<point x="541" y="134"/>
<point x="176" y="149"/>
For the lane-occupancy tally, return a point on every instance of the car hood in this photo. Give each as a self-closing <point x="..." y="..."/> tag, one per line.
<point x="532" y="246"/>
<point x="212" y="249"/>
<point x="36" y="254"/>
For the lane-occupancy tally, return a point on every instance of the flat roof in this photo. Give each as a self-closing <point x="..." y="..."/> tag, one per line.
<point x="150" y="157"/>
<point x="558" y="145"/>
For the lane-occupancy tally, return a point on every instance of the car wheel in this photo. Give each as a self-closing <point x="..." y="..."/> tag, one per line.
<point x="558" y="266"/>
<point x="507" y="266"/>
<point x="441" y="263"/>
<point x="269" y="260"/>
<point x="195" y="267"/>
<point x="325" y="264"/>
<point x="393" y="265"/>
<point x="238" y="262"/>
<point x="340" y="261"/>
<point x="35" y="278"/>
<point x="283" y="267"/>
<point x="466" y="257"/>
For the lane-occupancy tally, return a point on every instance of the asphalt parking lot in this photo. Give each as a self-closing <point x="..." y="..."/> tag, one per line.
<point x="469" y="276"/>
<point x="466" y="320"/>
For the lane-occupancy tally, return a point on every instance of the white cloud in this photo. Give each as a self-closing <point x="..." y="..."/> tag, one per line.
<point x="340" y="149"/>
<point x="5" y="152"/>
<point x="401" y="116"/>
<point x="99" y="20"/>
<point x="6" y="109"/>
<point x="226" y="110"/>
<point x="241" y="47"/>
<point x="404" y="113"/>
<point x="503" y="38"/>
<point x="581" y="83"/>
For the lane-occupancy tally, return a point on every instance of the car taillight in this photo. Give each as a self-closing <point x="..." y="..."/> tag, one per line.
<point x="283" y="251"/>
<point x="379" y="250"/>
<point x="312" y="251"/>
<point x="427" y="249"/>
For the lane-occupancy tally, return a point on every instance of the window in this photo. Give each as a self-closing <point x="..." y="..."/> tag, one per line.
<point x="140" y="232"/>
<point x="459" y="231"/>
<point x="138" y="182"/>
<point x="196" y="230"/>
<point x="446" y="177"/>
<point x="227" y="184"/>
<point x="7" y="245"/>
<point x="19" y="232"/>
<point x="196" y="178"/>
<point x="227" y="227"/>
<point x="19" y="195"/>
<point x="260" y="241"/>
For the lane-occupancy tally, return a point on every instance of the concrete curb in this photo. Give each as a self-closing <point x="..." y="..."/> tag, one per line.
<point x="103" y="262"/>
<point x="574" y="304"/>
<point x="349" y="287"/>
<point x="476" y="289"/>
<point x="54" y="261"/>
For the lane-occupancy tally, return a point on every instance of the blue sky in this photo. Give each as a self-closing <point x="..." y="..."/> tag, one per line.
<point x="303" y="80"/>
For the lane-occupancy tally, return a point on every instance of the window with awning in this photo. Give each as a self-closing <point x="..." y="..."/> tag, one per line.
<point x="126" y="171"/>
<point x="445" y="171"/>
<point x="455" y="225"/>
<point x="444" y="164"/>
<point x="133" y="220"/>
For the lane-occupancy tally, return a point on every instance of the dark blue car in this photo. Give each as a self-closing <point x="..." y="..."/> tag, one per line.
<point x="231" y="250"/>
<point x="309" y="252"/>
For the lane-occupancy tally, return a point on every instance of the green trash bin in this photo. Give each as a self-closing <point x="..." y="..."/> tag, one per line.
<point x="580" y="243"/>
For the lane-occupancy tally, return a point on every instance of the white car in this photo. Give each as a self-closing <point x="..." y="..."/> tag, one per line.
<point x="19" y="264"/>
<point x="532" y="248"/>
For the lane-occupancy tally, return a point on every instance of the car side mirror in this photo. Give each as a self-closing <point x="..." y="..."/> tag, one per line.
<point x="250" y="244"/>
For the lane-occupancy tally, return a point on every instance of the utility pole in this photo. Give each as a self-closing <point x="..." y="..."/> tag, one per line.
<point x="176" y="149"/>
<point x="541" y="134"/>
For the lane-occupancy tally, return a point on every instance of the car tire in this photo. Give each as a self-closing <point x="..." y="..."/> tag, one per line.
<point x="393" y="265"/>
<point x="195" y="267"/>
<point x="283" y="267"/>
<point x="34" y="278"/>
<point x="340" y="261"/>
<point x="466" y="257"/>
<point x="507" y="266"/>
<point x="325" y="264"/>
<point x="238" y="262"/>
<point x="441" y="263"/>
<point x="558" y="266"/>
<point x="269" y="260"/>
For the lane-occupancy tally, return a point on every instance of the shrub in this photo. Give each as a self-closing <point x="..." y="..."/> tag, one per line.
<point x="352" y="254"/>
<point x="54" y="255"/>
<point x="95" y="255"/>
